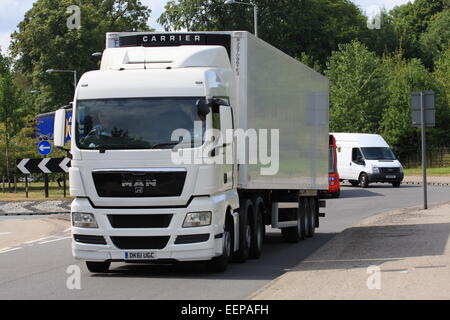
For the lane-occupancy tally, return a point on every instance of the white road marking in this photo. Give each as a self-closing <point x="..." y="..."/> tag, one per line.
<point x="37" y="240"/>
<point x="9" y="249"/>
<point x="54" y="240"/>
<point x="67" y="230"/>
<point x="4" y="233"/>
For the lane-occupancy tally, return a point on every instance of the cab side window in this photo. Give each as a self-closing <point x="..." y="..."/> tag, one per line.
<point x="357" y="156"/>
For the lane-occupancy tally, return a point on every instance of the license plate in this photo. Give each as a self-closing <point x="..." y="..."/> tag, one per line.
<point x="391" y="177"/>
<point x="149" y="255"/>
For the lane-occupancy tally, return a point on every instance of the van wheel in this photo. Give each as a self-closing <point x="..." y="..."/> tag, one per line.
<point x="98" y="267"/>
<point x="297" y="233"/>
<point x="363" y="180"/>
<point x="396" y="184"/>
<point x="354" y="183"/>
<point x="245" y="231"/>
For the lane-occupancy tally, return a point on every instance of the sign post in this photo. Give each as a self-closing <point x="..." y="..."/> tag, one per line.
<point x="423" y="116"/>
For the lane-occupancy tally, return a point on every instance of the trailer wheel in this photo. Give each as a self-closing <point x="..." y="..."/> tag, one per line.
<point x="297" y="233"/>
<point x="258" y="228"/>
<point x="98" y="267"/>
<point x="311" y="217"/>
<point x="245" y="231"/>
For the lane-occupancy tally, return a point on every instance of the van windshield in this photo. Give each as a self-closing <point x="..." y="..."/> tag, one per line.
<point x="378" y="153"/>
<point x="136" y="123"/>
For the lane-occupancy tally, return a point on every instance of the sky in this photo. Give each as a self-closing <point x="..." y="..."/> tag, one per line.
<point x="12" y="12"/>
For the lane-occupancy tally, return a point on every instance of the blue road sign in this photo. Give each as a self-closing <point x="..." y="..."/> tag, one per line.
<point x="44" y="148"/>
<point x="45" y="124"/>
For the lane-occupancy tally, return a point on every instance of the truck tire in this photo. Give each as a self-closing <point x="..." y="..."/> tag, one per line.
<point x="297" y="233"/>
<point x="258" y="228"/>
<point x="396" y="184"/>
<point x="98" y="267"/>
<point x="220" y="264"/>
<point x="363" y="180"/>
<point x="311" y="217"/>
<point x="336" y="194"/>
<point x="245" y="231"/>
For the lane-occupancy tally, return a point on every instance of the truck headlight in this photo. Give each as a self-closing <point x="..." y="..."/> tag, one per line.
<point x="375" y="170"/>
<point x="197" y="219"/>
<point x="83" y="220"/>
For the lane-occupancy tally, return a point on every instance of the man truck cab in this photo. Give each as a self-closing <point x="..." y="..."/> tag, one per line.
<point x="366" y="158"/>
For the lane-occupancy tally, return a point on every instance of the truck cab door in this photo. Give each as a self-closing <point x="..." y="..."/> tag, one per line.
<point x="227" y="148"/>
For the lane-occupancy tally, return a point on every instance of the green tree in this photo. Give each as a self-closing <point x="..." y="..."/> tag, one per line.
<point x="43" y="41"/>
<point x="314" y="27"/>
<point x="358" y="96"/>
<point x="404" y="77"/>
<point x="413" y="19"/>
<point x="436" y="39"/>
<point x="10" y="112"/>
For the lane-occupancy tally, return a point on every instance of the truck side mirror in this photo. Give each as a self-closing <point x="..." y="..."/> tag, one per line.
<point x="59" y="131"/>
<point x="202" y="109"/>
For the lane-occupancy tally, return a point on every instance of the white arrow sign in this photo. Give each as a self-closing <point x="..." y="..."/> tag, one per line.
<point x="43" y="167"/>
<point x="64" y="163"/>
<point x="42" y="147"/>
<point x="21" y="166"/>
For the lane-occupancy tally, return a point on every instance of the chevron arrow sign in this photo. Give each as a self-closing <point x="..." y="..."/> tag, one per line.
<point x="46" y="165"/>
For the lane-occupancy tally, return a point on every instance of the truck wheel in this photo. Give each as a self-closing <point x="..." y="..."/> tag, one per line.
<point x="354" y="183"/>
<point x="396" y="184"/>
<point x="245" y="231"/>
<point x="220" y="264"/>
<point x="98" y="267"/>
<point x="310" y="217"/>
<point x="297" y="233"/>
<point x="258" y="229"/>
<point x="363" y="180"/>
<point x="336" y="194"/>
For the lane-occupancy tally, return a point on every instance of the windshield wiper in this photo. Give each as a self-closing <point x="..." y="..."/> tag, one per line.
<point x="168" y="144"/>
<point x="118" y="147"/>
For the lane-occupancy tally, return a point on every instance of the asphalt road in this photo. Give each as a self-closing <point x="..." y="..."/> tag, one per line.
<point x="38" y="270"/>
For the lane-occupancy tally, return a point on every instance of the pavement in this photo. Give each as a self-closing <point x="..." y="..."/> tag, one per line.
<point x="34" y="207"/>
<point x="403" y="254"/>
<point x="431" y="180"/>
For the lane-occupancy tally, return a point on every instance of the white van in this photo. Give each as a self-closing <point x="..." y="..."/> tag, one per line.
<point x="366" y="158"/>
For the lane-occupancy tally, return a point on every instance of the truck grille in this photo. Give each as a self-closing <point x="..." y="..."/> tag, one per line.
<point x="140" y="243"/>
<point x="389" y="170"/>
<point x="136" y="184"/>
<point x="127" y="221"/>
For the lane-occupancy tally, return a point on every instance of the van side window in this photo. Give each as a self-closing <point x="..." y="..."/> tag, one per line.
<point x="356" y="155"/>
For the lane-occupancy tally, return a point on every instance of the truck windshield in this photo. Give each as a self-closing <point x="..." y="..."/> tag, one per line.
<point x="378" y="153"/>
<point x="136" y="123"/>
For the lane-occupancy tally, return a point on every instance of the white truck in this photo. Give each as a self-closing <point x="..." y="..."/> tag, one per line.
<point x="136" y="202"/>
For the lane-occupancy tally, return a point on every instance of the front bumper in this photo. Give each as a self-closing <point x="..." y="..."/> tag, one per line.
<point x="197" y="251"/>
<point x="381" y="177"/>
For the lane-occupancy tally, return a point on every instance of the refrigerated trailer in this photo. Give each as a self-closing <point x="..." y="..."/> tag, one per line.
<point x="144" y="194"/>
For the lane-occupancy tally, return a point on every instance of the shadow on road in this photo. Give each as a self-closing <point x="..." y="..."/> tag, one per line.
<point x="361" y="247"/>
<point x="277" y="258"/>
<point x="359" y="193"/>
